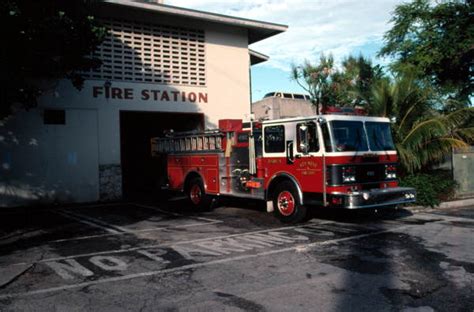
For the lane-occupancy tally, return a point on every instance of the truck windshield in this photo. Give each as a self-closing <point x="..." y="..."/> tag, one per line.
<point x="351" y="136"/>
<point x="348" y="136"/>
<point x="380" y="137"/>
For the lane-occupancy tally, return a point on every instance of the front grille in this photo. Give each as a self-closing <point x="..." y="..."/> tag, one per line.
<point x="370" y="159"/>
<point x="371" y="174"/>
<point x="370" y="186"/>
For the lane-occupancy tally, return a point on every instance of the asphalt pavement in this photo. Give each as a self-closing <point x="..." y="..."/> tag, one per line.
<point x="164" y="257"/>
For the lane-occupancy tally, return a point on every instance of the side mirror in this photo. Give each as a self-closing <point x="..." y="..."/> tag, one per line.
<point x="304" y="148"/>
<point x="303" y="138"/>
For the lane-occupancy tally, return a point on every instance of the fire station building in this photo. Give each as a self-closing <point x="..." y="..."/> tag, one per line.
<point x="163" y="67"/>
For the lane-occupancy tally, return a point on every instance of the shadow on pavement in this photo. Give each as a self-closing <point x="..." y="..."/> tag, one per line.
<point x="23" y="228"/>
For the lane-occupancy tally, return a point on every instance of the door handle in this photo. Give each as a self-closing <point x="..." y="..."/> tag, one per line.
<point x="290" y="157"/>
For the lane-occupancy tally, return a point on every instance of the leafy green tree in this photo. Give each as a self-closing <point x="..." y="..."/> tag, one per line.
<point x="352" y="84"/>
<point x="423" y="135"/>
<point x="316" y="79"/>
<point x="44" y="40"/>
<point x="437" y="40"/>
<point x="328" y="86"/>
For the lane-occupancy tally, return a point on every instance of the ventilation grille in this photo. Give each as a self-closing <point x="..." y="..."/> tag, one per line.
<point x="150" y="53"/>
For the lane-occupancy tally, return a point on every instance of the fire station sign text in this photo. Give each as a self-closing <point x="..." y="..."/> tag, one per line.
<point x="117" y="93"/>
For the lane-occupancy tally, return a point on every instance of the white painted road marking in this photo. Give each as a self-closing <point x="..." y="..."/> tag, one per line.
<point x="96" y="221"/>
<point x="109" y="263"/>
<point x="245" y="235"/>
<point x="112" y="229"/>
<point x="155" y="255"/>
<point x="81" y="220"/>
<point x="70" y="267"/>
<point x="99" y="205"/>
<point x="173" y="213"/>
<point x="195" y="265"/>
<point x="132" y="232"/>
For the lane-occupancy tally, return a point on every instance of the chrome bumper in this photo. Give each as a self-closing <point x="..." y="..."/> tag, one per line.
<point x="379" y="197"/>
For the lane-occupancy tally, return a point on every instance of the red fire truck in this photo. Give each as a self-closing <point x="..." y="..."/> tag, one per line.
<point x="340" y="161"/>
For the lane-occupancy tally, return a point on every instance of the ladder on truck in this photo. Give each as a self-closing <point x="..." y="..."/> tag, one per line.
<point x="188" y="142"/>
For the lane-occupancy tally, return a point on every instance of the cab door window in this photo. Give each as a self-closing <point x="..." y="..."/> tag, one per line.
<point x="307" y="138"/>
<point x="274" y="139"/>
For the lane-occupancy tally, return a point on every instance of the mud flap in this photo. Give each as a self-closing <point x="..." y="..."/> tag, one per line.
<point x="270" y="206"/>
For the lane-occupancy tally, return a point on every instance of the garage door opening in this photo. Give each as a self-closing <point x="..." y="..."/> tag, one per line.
<point x="141" y="173"/>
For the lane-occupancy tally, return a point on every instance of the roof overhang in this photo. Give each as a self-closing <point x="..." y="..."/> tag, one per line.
<point x="257" y="57"/>
<point x="257" y="30"/>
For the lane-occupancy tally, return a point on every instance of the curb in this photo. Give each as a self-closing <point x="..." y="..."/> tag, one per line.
<point x="444" y="205"/>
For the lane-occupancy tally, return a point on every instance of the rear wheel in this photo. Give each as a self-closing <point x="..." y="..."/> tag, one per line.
<point x="197" y="195"/>
<point x="286" y="205"/>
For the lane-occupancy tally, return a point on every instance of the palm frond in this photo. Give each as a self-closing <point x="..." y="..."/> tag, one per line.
<point x="424" y="131"/>
<point x="409" y="160"/>
<point x="437" y="150"/>
<point x="458" y="118"/>
<point x="423" y="135"/>
<point x="465" y="134"/>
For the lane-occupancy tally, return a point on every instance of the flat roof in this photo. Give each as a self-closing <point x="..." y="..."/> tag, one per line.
<point x="257" y="30"/>
<point x="257" y="57"/>
<point x="330" y="117"/>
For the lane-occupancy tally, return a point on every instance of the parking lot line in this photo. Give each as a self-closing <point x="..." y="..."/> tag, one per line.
<point x="115" y="251"/>
<point x="133" y="231"/>
<point x="99" y="205"/>
<point x="172" y="213"/>
<point x="300" y="247"/>
<point x="83" y="221"/>
<point x="117" y="230"/>
<point x="115" y="233"/>
<point x="99" y="222"/>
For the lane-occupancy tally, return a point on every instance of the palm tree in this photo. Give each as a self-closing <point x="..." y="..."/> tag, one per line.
<point x="423" y="135"/>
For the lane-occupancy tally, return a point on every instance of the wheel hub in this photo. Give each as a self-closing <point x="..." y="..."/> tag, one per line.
<point x="286" y="203"/>
<point x="195" y="194"/>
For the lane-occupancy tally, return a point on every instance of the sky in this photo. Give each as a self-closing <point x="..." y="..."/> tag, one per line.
<point x="339" y="27"/>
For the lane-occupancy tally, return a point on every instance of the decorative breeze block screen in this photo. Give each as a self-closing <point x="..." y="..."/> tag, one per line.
<point x="143" y="52"/>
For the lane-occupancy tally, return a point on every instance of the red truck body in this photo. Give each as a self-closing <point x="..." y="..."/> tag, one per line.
<point x="340" y="161"/>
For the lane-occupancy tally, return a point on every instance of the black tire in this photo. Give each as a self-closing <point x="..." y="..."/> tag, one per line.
<point x="286" y="204"/>
<point x="197" y="197"/>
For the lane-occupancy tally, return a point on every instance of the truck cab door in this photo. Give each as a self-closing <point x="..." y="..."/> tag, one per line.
<point x="308" y="160"/>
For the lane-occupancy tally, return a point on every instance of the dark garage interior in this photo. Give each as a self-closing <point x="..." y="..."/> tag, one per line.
<point x="141" y="173"/>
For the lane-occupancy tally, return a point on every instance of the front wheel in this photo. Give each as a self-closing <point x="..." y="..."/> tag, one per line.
<point x="197" y="195"/>
<point x="286" y="205"/>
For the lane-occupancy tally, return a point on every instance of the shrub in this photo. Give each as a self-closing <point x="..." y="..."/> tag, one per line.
<point x="431" y="188"/>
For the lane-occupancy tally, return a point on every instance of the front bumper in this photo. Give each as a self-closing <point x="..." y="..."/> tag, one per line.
<point x="378" y="197"/>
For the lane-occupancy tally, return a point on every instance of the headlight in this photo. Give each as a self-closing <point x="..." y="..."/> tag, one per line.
<point x="348" y="174"/>
<point x="390" y="172"/>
